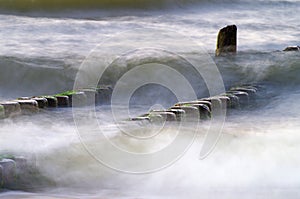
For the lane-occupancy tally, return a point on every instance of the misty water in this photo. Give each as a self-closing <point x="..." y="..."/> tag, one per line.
<point x="44" y="48"/>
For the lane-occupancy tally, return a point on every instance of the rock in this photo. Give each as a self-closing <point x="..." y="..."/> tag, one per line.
<point x="216" y="103"/>
<point x="207" y="108"/>
<point x="140" y="119"/>
<point x="77" y="99"/>
<point x="190" y="111"/>
<point x="104" y="95"/>
<point x="234" y="100"/>
<point x="16" y="173"/>
<point x="155" y="118"/>
<point x="203" y="106"/>
<point x="21" y="164"/>
<point x="243" y="97"/>
<point x="226" y="102"/>
<point x="42" y="102"/>
<point x="8" y="172"/>
<point x="227" y="40"/>
<point x="2" y="112"/>
<point x="11" y="108"/>
<point x="251" y="92"/>
<point x="180" y="114"/>
<point x="204" y="111"/>
<point x="251" y="87"/>
<point x="1" y="177"/>
<point x="195" y="102"/>
<point x="91" y="96"/>
<point x="207" y="103"/>
<point x="28" y="106"/>
<point x="292" y="48"/>
<point x="166" y="115"/>
<point x="24" y="98"/>
<point x="62" y="101"/>
<point x="51" y="101"/>
<point x="219" y="101"/>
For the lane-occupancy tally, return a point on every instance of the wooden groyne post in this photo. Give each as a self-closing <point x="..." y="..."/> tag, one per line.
<point x="227" y="40"/>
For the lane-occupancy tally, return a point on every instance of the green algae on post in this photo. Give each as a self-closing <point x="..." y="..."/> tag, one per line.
<point x="78" y="96"/>
<point x="66" y="93"/>
<point x="6" y="156"/>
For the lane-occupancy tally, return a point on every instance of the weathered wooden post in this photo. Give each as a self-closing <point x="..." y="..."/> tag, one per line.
<point x="292" y="48"/>
<point x="2" y="112"/>
<point x="11" y="108"/>
<point x="227" y="40"/>
<point x="7" y="178"/>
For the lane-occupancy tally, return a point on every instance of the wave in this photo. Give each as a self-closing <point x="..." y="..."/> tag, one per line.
<point x="276" y="67"/>
<point x="34" y="76"/>
<point x="20" y="76"/>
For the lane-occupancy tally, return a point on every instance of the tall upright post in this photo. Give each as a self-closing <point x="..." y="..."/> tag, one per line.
<point x="227" y="40"/>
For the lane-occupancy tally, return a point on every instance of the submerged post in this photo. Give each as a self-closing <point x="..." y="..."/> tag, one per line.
<point x="292" y="48"/>
<point x="227" y="38"/>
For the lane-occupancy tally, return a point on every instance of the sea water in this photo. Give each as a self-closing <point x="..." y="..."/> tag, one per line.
<point x="45" y="43"/>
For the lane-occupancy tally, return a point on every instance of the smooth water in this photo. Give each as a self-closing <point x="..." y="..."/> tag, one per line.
<point x="44" y="44"/>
